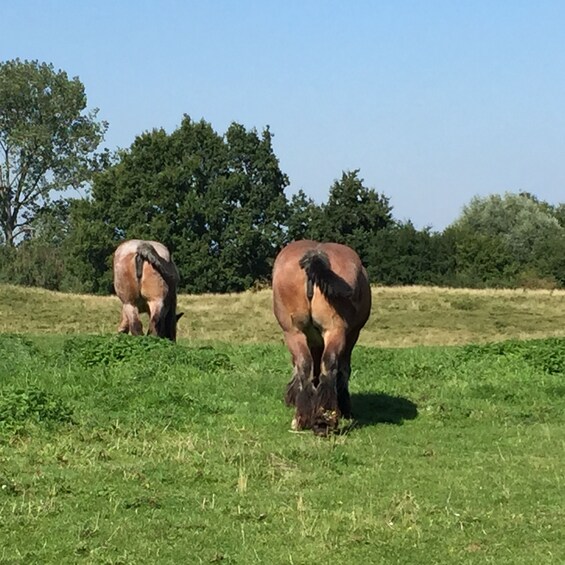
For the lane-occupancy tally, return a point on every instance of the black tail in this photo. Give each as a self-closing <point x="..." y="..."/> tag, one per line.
<point x="146" y="252"/>
<point x="318" y="269"/>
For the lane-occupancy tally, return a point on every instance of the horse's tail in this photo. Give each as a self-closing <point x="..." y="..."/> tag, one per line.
<point x="318" y="270"/>
<point x="146" y="252"/>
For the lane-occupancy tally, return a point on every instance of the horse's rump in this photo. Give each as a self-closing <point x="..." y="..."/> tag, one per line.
<point x="333" y="268"/>
<point x="166" y="268"/>
<point x="317" y="266"/>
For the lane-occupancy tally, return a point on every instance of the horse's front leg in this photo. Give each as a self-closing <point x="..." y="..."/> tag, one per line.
<point x="300" y="390"/>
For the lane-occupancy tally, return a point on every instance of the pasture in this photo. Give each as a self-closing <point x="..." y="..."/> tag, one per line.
<point x="120" y="449"/>
<point x="401" y="316"/>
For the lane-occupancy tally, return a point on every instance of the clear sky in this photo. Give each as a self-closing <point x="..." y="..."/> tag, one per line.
<point x="434" y="101"/>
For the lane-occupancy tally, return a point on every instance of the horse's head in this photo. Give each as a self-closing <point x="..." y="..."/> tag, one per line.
<point x="168" y="325"/>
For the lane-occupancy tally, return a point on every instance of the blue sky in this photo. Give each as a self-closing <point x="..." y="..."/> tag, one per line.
<point x="434" y="101"/>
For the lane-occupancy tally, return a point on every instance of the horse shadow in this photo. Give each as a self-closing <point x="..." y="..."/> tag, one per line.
<point x="371" y="408"/>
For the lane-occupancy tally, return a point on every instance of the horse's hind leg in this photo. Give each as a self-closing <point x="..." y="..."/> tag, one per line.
<point x="123" y="328"/>
<point x="130" y="320"/>
<point x="326" y="405"/>
<point x="155" y="322"/>
<point x="343" y="396"/>
<point x="300" y="391"/>
<point x="344" y="372"/>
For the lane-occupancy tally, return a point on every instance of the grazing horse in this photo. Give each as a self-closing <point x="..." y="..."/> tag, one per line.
<point x="146" y="280"/>
<point x="321" y="299"/>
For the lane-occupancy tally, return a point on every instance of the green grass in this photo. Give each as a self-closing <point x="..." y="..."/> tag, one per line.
<point x="133" y="450"/>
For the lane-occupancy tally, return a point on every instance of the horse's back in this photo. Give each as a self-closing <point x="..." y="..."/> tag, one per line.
<point x="344" y="261"/>
<point x="129" y="248"/>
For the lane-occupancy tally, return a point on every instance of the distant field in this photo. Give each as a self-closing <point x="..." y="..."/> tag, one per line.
<point x="401" y="316"/>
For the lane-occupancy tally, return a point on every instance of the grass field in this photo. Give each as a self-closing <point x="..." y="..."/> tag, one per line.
<point x="401" y="316"/>
<point x="116" y="449"/>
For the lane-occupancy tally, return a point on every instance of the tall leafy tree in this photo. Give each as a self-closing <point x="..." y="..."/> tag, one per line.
<point x="39" y="259"/>
<point x="304" y="218"/>
<point x="502" y="237"/>
<point x="559" y="213"/>
<point x="47" y="140"/>
<point x="402" y="254"/>
<point x="88" y="247"/>
<point x="351" y="205"/>
<point x="353" y="213"/>
<point x="217" y="201"/>
<point x="253" y="228"/>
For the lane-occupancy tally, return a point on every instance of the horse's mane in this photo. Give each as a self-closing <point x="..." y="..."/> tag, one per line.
<point x="317" y="266"/>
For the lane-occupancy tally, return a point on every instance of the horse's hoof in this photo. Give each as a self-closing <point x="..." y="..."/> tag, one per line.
<point x="321" y="429"/>
<point x="330" y="418"/>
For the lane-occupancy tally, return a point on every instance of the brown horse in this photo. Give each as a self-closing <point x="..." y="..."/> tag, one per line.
<point x="321" y="299"/>
<point x="145" y="280"/>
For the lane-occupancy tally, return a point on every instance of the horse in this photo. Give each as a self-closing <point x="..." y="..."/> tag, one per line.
<point x="321" y="300"/>
<point x="146" y="280"/>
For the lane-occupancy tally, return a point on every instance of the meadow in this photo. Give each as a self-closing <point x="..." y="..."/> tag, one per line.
<point x="401" y="316"/>
<point x="116" y="449"/>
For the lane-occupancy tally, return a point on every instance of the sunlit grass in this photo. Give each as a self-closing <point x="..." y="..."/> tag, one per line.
<point x="132" y="450"/>
<point x="401" y="316"/>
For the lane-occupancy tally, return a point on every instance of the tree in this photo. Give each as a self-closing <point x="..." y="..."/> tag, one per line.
<point x="559" y="213"/>
<point x="503" y="238"/>
<point x="38" y="259"/>
<point x="353" y="214"/>
<point x="351" y="206"/>
<point x="304" y="218"/>
<point x="88" y="248"/>
<point x="401" y="255"/>
<point x="47" y="140"/>
<point x="216" y="201"/>
<point x="254" y="210"/>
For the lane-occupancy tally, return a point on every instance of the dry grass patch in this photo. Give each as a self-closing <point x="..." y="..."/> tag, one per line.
<point x="401" y="316"/>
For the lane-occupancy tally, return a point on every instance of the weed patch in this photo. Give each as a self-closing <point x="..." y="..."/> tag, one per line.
<point x="15" y="350"/>
<point x="91" y="351"/>
<point x="18" y="406"/>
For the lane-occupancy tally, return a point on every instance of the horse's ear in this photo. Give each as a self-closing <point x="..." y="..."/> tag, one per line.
<point x="180" y="315"/>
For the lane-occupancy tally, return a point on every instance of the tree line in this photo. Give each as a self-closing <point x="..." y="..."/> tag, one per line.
<point x="218" y="201"/>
